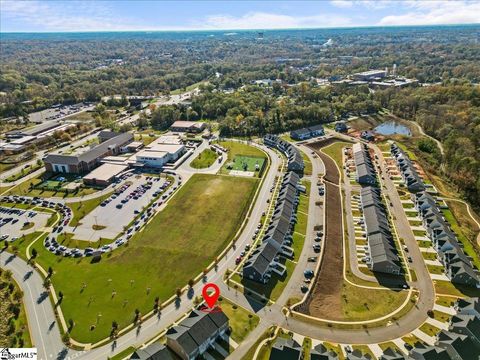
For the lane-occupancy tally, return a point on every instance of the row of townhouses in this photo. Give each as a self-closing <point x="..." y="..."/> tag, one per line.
<point x="295" y="160"/>
<point x="365" y="170"/>
<point x="278" y="237"/>
<point x="382" y="255"/>
<point x="190" y="339"/>
<point x="458" y="266"/>
<point x="462" y="339"/>
<point x="409" y="174"/>
<point x="307" y="133"/>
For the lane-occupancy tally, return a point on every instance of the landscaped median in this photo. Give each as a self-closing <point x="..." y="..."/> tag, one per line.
<point x="183" y="239"/>
<point x="205" y="159"/>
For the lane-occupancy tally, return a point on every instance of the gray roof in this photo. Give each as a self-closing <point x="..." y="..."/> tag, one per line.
<point x="156" y="351"/>
<point x="91" y="154"/>
<point x="285" y="349"/>
<point x="196" y="329"/>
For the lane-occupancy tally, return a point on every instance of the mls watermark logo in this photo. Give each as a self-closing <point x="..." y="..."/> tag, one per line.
<point x="18" y="353"/>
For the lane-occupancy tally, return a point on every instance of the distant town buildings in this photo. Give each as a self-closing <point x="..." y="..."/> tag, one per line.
<point x="188" y="126"/>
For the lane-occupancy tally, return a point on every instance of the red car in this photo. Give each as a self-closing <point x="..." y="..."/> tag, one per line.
<point x="238" y="259"/>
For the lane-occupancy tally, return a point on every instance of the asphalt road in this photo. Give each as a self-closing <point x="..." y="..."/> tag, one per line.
<point x="41" y="319"/>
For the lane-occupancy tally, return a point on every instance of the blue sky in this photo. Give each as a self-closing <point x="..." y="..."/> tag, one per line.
<point x="73" y="15"/>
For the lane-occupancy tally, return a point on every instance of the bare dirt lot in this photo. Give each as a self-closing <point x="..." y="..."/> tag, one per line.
<point x="324" y="300"/>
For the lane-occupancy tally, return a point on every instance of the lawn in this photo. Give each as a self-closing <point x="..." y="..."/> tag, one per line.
<point x="176" y="246"/>
<point x="82" y="208"/>
<point x="429" y="329"/>
<point x="205" y="159"/>
<point x="24" y="188"/>
<point x="238" y="153"/>
<point x="23" y="172"/>
<point x="236" y="148"/>
<point x="245" y="163"/>
<point x="364" y="304"/>
<point x="81" y="116"/>
<point x="468" y="247"/>
<point x="429" y="256"/>
<point x="251" y="351"/>
<point x="308" y="164"/>
<point x="447" y="288"/>
<point x="240" y="320"/>
<point x="335" y="152"/>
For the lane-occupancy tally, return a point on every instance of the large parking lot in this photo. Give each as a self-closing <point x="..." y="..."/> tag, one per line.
<point x="110" y="218"/>
<point x="16" y="222"/>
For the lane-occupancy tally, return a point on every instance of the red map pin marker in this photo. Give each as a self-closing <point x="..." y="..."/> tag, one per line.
<point x="210" y="298"/>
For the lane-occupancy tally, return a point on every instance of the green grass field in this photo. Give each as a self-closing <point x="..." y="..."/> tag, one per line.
<point x="239" y="153"/>
<point x="24" y="189"/>
<point x="335" y="152"/>
<point x="205" y="159"/>
<point x="175" y="247"/>
<point x="246" y="163"/>
<point x="240" y="320"/>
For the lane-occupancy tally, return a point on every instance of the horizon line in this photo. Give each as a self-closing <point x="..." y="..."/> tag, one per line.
<point x="220" y="30"/>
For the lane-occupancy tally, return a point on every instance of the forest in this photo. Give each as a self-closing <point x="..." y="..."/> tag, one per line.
<point x="40" y="70"/>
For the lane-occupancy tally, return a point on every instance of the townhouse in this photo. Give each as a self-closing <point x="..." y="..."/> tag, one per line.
<point x="286" y="349"/>
<point x="458" y="266"/>
<point x="194" y="335"/>
<point x="295" y="160"/>
<point x="382" y="255"/>
<point x="409" y="174"/>
<point x="462" y="339"/>
<point x="278" y="236"/>
<point x="365" y="170"/>
<point x="307" y="133"/>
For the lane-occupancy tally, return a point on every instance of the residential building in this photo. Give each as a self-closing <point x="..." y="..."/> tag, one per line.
<point x="286" y="349"/>
<point x="427" y="352"/>
<point x="278" y="236"/>
<point x="307" y="133"/>
<point x="468" y="306"/>
<point x="367" y="135"/>
<point x="468" y="325"/>
<point x="365" y="170"/>
<point x="341" y="127"/>
<point x="458" y="346"/>
<point x="458" y="266"/>
<point x="194" y="335"/>
<point x="295" y="160"/>
<point x="156" y="351"/>
<point x="382" y="255"/>
<point x="412" y="180"/>
<point x="392" y="354"/>
<point x="320" y="352"/>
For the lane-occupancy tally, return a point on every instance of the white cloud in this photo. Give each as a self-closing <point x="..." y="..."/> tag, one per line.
<point x="342" y="3"/>
<point x="71" y="16"/>
<point x="436" y="12"/>
<point x="370" y="4"/>
<point x="262" y="20"/>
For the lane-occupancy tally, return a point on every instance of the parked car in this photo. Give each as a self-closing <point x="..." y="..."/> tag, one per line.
<point x="308" y="274"/>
